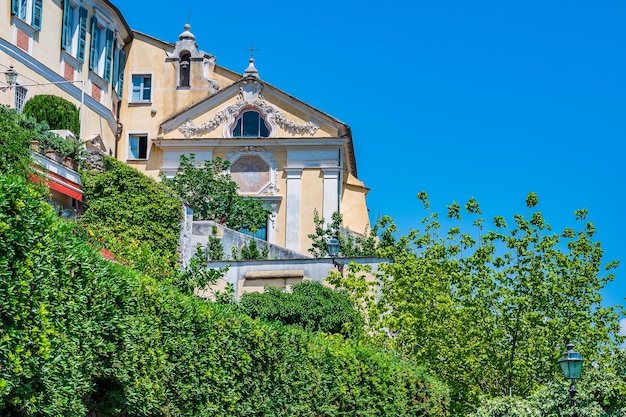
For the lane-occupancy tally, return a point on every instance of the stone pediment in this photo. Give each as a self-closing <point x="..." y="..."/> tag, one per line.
<point x="287" y="116"/>
<point x="225" y="117"/>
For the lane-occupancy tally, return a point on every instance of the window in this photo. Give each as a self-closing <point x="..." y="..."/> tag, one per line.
<point x="20" y="98"/>
<point x="138" y="146"/>
<point x="185" y="69"/>
<point x="29" y="11"/>
<point x="250" y="124"/>
<point x="102" y="49"/>
<point x="142" y="86"/>
<point x="260" y="233"/>
<point x="74" y="33"/>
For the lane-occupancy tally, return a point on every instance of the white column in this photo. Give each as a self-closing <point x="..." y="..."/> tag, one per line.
<point x="331" y="193"/>
<point x="292" y="226"/>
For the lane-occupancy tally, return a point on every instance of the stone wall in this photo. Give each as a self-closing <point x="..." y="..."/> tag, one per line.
<point x="201" y="230"/>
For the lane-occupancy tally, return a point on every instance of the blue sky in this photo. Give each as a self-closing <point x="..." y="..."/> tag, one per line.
<point x="490" y="99"/>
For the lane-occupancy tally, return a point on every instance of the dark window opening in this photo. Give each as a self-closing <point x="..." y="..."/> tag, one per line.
<point x="138" y="147"/>
<point x="185" y="70"/>
<point x="251" y="125"/>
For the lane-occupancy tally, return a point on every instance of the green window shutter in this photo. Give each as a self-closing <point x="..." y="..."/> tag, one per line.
<point x="65" y="32"/>
<point x="95" y="40"/>
<point x="115" y="64"/>
<point x="82" y="34"/>
<point x="15" y="7"/>
<point x="37" y="11"/>
<point x="122" y="64"/>
<point x="108" y="58"/>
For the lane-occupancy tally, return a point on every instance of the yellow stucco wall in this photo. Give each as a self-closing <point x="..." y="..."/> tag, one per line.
<point x="311" y="199"/>
<point x="353" y="205"/>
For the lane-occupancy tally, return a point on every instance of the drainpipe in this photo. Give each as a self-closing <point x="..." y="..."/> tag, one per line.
<point x="118" y="132"/>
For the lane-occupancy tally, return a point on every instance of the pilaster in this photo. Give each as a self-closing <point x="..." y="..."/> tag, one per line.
<point x="292" y="218"/>
<point x="331" y="193"/>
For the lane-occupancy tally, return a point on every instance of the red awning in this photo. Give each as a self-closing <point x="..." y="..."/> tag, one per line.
<point x="54" y="183"/>
<point x="65" y="190"/>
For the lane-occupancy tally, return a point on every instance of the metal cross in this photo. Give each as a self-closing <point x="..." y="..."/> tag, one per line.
<point x="252" y="50"/>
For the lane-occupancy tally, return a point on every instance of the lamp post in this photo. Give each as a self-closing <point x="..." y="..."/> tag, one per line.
<point x="11" y="79"/>
<point x="571" y="365"/>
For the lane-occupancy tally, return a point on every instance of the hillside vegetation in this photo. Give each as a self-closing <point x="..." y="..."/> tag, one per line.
<point x="83" y="334"/>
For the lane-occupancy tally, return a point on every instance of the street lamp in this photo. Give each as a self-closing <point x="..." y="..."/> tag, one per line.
<point x="571" y="365"/>
<point x="11" y="79"/>
<point x="333" y="247"/>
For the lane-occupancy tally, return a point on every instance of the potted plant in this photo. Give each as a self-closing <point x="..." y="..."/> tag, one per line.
<point x="35" y="145"/>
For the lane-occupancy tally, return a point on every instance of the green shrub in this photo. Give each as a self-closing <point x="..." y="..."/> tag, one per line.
<point x="123" y="204"/>
<point x="311" y="305"/>
<point x="14" y="142"/>
<point x="16" y="133"/>
<point x="54" y="110"/>
<point x="66" y="147"/>
<point x="249" y="252"/>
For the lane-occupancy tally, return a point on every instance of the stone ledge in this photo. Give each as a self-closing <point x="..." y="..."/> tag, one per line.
<point x="294" y="273"/>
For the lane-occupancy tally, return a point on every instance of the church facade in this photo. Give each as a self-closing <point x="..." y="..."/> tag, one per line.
<point x="149" y="101"/>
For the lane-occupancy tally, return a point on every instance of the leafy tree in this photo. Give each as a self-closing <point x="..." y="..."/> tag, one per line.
<point x="489" y="310"/>
<point x="311" y="305"/>
<point x="362" y="292"/>
<point x="212" y="194"/>
<point x="54" y="110"/>
<point x="350" y="244"/>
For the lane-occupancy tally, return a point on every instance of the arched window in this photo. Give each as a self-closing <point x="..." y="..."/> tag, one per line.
<point x="250" y="124"/>
<point x="185" y="61"/>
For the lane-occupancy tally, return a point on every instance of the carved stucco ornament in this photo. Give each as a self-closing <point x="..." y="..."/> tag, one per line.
<point x="228" y="115"/>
